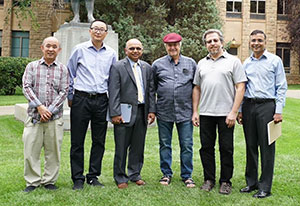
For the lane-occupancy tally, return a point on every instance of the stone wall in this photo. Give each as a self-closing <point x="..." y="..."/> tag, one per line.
<point x="40" y="9"/>
<point x="6" y="36"/>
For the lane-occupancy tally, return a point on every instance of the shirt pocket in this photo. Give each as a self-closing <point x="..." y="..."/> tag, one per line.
<point x="55" y="84"/>
<point x="185" y="75"/>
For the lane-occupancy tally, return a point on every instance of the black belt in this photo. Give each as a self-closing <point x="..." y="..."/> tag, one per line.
<point x="89" y="95"/>
<point x="258" y="100"/>
<point x="141" y="105"/>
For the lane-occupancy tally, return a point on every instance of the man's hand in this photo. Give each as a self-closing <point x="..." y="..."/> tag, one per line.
<point x="151" y="118"/>
<point x="277" y="118"/>
<point x="70" y="103"/>
<point x="117" y="120"/>
<point x="230" y="119"/>
<point x="44" y="113"/>
<point x="240" y="118"/>
<point x="195" y="119"/>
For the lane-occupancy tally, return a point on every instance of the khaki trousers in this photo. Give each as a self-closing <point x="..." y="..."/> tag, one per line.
<point x="35" y="136"/>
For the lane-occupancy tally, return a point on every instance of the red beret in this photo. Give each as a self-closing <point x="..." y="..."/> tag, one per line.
<point x="172" y="37"/>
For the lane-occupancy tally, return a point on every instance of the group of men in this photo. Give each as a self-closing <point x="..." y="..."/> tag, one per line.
<point x="134" y="93"/>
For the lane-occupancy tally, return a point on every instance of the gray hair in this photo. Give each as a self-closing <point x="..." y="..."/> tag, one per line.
<point x="210" y="31"/>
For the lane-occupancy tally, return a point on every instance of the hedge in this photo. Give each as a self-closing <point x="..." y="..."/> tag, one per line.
<point x="11" y="72"/>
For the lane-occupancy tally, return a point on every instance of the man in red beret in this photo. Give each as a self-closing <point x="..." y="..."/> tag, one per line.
<point x="173" y="80"/>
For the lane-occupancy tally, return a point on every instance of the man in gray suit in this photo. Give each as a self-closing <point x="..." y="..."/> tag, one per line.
<point x="131" y="82"/>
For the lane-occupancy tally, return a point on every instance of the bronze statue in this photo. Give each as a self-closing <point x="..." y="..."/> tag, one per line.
<point x="89" y="4"/>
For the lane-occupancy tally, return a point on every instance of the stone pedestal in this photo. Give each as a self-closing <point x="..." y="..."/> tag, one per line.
<point x="71" y="34"/>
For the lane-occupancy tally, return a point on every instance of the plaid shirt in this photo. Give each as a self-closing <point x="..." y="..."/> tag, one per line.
<point x="174" y="85"/>
<point x="47" y="85"/>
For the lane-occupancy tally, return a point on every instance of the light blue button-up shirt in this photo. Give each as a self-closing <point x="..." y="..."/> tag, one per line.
<point x="138" y="68"/>
<point x="266" y="79"/>
<point x="89" y="68"/>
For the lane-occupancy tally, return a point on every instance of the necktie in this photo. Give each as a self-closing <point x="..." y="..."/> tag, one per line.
<point x="138" y="84"/>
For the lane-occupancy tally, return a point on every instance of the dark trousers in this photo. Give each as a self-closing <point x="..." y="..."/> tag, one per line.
<point x="132" y="140"/>
<point x="84" y="110"/>
<point x="255" y="119"/>
<point x="208" y="126"/>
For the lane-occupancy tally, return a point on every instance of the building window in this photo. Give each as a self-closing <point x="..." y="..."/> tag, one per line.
<point x="283" y="50"/>
<point x="257" y="6"/>
<point x="0" y="42"/>
<point x="282" y="10"/>
<point x="234" y="8"/>
<point x="257" y="9"/>
<point x="233" y="51"/>
<point x="1" y="2"/>
<point x="20" y="44"/>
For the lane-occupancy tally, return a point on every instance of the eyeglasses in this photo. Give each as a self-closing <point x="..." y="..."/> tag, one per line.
<point x="257" y="40"/>
<point x="212" y="40"/>
<point x="135" y="48"/>
<point x="100" y="30"/>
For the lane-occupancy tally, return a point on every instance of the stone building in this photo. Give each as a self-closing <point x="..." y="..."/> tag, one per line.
<point x="239" y="17"/>
<point x="18" y="35"/>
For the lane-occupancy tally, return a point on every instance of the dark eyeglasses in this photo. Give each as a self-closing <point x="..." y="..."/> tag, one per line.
<point x="257" y="40"/>
<point x="135" y="48"/>
<point x="212" y="40"/>
<point x="100" y="30"/>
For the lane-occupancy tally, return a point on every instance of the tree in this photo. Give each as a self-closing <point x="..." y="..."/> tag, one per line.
<point x="294" y="25"/>
<point x="150" y="21"/>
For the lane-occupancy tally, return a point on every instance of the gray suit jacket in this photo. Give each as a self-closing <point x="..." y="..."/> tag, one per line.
<point x="122" y="89"/>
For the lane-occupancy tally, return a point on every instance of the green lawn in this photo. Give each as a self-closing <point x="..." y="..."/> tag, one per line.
<point x="11" y="99"/>
<point x="294" y="86"/>
<point x="286" y="184"/>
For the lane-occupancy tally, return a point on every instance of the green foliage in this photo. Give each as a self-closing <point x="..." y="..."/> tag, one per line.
<point x="23" y="10"/>
<point x="150" y="21"/>
<point x="11" y="72"/>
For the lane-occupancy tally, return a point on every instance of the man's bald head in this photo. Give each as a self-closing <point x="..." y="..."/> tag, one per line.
<point x="134" y="49"/>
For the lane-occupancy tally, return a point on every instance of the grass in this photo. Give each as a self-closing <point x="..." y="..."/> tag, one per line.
<point x="294" y="86"/>
<point x="6" y="100"/>
<point x="286" y="187"/>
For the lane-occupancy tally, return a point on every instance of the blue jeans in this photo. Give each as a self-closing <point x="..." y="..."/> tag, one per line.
<point x="185" y="134"/>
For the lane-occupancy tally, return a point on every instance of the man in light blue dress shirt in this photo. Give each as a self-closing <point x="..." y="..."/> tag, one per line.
<point x="263" y="102"/>
<point x="89" y="67"/>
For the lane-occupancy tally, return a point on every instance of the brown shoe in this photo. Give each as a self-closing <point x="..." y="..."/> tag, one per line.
<point x="123" y="185"/>
<point x="207" y="186"/>
<point x="225" y="188"/>
<point x="140" y="182"/>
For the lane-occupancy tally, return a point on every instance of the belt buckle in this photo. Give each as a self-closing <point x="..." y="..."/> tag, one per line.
<point x="94" y="94"/>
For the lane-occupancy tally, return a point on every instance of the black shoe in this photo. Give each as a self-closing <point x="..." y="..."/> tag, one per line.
<point x="261" y="194"/>
<point x="248" y="189"/>
<point x="30" y="188"/>
<point x="51" y="187"/>
<point x="78" y="185"/>
<point x="94" y="182"/>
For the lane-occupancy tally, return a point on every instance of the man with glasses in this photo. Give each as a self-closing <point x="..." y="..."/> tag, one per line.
<point x="131" y="84"/>
<point x="219" y="86"/>
<point x="89" y="66"/>
<point x="173" y="78"/>
<point x="263" y="102"/>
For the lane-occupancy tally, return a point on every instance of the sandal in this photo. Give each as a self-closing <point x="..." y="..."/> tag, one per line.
<point x="165" y="180"/>
<point x="189" y="183"/>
